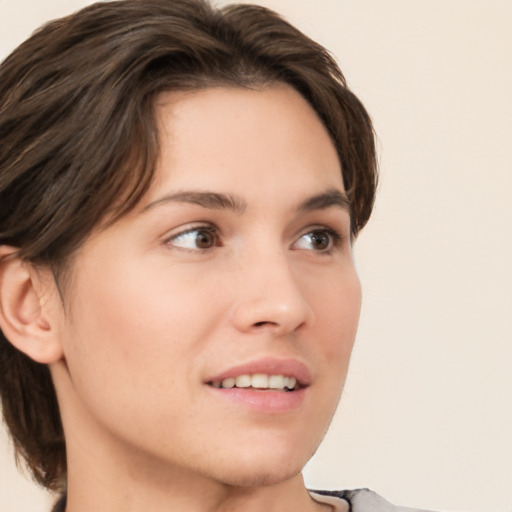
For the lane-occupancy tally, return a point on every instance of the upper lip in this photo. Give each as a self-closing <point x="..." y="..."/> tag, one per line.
<point x="268" y="366"/>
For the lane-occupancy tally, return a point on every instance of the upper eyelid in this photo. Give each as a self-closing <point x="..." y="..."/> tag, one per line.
<point x="332" y="217"/>
<point x="319" y="227"/>
<point x="189" y="227"/>
<point x="170" y="236"/>
<point x="340" y="232"/>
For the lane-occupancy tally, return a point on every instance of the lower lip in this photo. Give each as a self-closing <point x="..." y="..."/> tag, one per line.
<point x="265" y="401"/>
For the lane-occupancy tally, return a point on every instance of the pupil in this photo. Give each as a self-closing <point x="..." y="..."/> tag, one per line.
<point x="204" y="240"/>
<point x="320" y="240"/>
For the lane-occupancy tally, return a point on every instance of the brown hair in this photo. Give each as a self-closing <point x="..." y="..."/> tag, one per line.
<point x="79" y="143"/>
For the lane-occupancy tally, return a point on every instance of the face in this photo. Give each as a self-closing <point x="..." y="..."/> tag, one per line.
<point x="221" y="312"/>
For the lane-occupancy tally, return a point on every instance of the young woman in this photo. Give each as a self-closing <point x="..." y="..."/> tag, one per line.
<point x="180" y="188"/>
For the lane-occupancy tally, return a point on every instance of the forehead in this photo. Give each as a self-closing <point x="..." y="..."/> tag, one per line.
<point x="243" y="139"/>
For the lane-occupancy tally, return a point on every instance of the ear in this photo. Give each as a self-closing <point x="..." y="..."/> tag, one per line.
<point x="29" y="305"/>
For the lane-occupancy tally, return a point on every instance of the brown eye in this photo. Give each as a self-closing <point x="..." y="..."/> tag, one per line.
<point x="204" y="239"/>
<point x="194" y="239"/>
<point x="318" y="240"/>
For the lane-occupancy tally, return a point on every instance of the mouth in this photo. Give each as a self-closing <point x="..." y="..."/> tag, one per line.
<point x="267" y="385"/>
<point x="258" y="381"/>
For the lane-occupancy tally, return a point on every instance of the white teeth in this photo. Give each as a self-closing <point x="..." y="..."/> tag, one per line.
<point x="258" y="381"/>
<point x="276" y="382"/>
<point x="243" y="381"/>
<point x="290" y="382"/>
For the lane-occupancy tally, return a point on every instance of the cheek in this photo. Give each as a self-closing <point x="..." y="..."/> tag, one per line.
<point x="337" y="311"/>
<point x="131" y="344"/>
<point x="142" y="329"/>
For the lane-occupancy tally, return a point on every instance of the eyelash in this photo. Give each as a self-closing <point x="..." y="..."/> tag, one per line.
<point x="206" y="228"/>
<point x="337" y="239"/>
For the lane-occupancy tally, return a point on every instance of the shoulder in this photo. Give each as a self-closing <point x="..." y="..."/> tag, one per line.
<point x="365" y="500"/>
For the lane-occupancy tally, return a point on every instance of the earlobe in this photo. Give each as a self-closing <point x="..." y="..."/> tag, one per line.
<point x="27" y="318"/>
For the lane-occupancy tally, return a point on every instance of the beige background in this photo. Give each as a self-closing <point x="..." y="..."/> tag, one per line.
<point x="426" y="417"/>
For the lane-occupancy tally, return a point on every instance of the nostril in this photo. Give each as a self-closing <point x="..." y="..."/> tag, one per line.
<point x="263" y="324"/>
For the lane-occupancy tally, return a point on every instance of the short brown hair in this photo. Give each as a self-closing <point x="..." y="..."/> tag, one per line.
<point x="78" y="143"/>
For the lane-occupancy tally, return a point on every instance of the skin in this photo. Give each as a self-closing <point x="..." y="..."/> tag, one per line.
<point x="149" y="316"/>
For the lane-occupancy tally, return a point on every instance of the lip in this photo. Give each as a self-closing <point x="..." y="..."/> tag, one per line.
<point x="269" y="366"/>
<point x="265" y="401"/>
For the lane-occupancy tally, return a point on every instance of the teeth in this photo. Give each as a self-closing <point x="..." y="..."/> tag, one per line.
<point x="276" y="382"/>
<point x="228" y="383"/>
<point x="291" y="382"/>
<point x="258" y="381"/>
<point x="243" y="381"/>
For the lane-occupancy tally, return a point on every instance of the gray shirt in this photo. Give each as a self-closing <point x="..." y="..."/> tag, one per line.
<point x="359" y="500"/>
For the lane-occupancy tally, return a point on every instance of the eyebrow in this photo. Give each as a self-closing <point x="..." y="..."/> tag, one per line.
<point x="327" y="199"/>
<point x="210" y="200"/>
<point x="219" y="201"/>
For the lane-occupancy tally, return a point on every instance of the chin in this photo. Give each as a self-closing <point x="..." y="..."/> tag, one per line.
<point x="252" y="478"/>
<point x="264" y="469"/>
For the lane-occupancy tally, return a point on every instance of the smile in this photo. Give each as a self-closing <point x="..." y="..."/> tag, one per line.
<point x="267" y="386"/>
<point x="258" y="381"/>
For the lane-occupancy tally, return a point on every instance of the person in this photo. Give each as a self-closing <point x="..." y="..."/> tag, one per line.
<point x="180" y="189"/>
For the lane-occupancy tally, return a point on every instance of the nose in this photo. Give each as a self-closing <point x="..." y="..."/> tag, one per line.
<point x="271" y="299"/>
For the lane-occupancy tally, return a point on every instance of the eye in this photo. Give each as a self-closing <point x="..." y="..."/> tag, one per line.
<point x="202" y="238"/>
<point x="319" y="240"/>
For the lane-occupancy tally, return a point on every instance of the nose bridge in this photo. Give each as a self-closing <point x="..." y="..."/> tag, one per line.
<point x="270" y="295"/>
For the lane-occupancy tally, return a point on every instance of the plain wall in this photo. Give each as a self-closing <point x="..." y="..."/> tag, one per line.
<point x="426" y="416"/>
